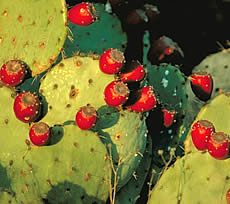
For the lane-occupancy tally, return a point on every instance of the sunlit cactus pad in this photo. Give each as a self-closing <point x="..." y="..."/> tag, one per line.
<point x="73" y="83"/>
<point x="195" y="178"/>
<point x="33" y="31"/>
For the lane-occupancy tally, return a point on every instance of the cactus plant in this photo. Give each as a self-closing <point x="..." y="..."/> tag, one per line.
<point x="187" y="171"/>
<point x="42" y="27"/>
<point x="87" y="39"/>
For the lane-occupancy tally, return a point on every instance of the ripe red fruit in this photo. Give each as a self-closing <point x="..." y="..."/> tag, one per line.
<point x="202" y="85"/>
<point x="218" y="145"/>
<point x="111" y="61"/>
<point x="228" y="196"/>
<point x="168" y="117"/>
<point x="136" y="73"/>
<point x="82" y="14"/>
<point x="201" y="131"/>
<point x="146" y="102"/>
<point x="12" y="73"/>
<point x="39" y="133"/>
<point x="86" y="117"/>
<point x="27" y="107"/>
<point x="116" y="93"/>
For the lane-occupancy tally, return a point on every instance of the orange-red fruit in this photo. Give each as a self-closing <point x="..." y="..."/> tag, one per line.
<point x="137" y="74"/>
<point x="146" y="102"/>
<point x="228" y="196"/>
<point x="116" y="93"/>
<point x="202" y="85"/>
<point x="218" y="145"/>
<point x="201" y="132"/>
<point x="86" y="117"/>
<point x="27" y="107"/>
<point x="111" y="61"/>
<point x="39" y="133"/>
<point x="168" y="117"/>
<point x="82" y="14"/>
<point x="12" y="73"/>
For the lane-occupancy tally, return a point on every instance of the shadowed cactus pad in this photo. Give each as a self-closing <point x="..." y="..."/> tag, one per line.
<point x="33" y="31"/>
<point x="130" y="193"/>
<point x="127" y="145"/>
<point x="104" y="33"/>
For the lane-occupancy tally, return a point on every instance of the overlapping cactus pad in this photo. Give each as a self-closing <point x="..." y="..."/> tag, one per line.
<point x="195" y="178"/>
<point x="32" y="31"/>
<point x="197" y="173"/>
<point x="89" y="38"/>
<point x="73" y="83"/>
<point x="169" y="84"/>
<point x="66" y="170"/>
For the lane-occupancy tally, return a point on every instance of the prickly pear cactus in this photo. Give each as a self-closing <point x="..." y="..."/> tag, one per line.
<point x="78" y="81"/>
<point x="130" y="193"/>
<point x="215" y="64"/>
<point x="191" y="178"/>
<point x="194" y="174"/>
<point x="65" y="171"/>
<point x="33" y="31"/>
<point x="169" y="85"/>
<point x="17" y="179"/>
<point x="88" y="39"/>
<point x="73" y="83"/>
<point x="75" y="169"/>
<point x="127" y="145"/>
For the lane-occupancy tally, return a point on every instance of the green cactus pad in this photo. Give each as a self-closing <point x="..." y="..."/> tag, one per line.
<point x="73" y="83"/>
<point x="130" y="193"/>
<point x="195" y="178"/>
<point x="197" y="173"/>
<point x="5" y="197"/>
<point x="169" y="84"/>
<point x="77" y="167"/>
<point x="126" y="140"/>
<point x="217" y="111"/>
<point x="33" y="31"/>
<point x="104" y="33"/>
<point x="15" y="175"/>
<point x="12" y="131"/>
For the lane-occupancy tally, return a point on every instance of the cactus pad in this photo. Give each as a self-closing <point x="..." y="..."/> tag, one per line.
<point x="33" y="31"/>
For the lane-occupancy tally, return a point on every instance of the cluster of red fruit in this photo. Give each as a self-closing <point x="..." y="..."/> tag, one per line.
<point x="116" y="93"/>
<point x="205" y="137"/>
<point x="27" y="106"/>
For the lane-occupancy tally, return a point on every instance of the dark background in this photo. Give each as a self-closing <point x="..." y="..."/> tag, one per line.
<point x="199" y="26"/>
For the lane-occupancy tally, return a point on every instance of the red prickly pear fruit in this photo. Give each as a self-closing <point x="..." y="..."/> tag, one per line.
<point x="202" y="85"/>
<point x="82" y="14"/>
<point x="228" y="196"/>
<point x="39" y="133"/>
<point x="201" y="132"/>
<point x="146" y="102"/>
<point x="168" y="117"/>
<point x="27" y="107"/>
<point x="116" y="93"/>
<point x="86" y="117"/>
<point x="218" y="145"/>
<point x="12" y="73"/>
<point x="136" y="74"/>
<point x="111" y="61"/>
